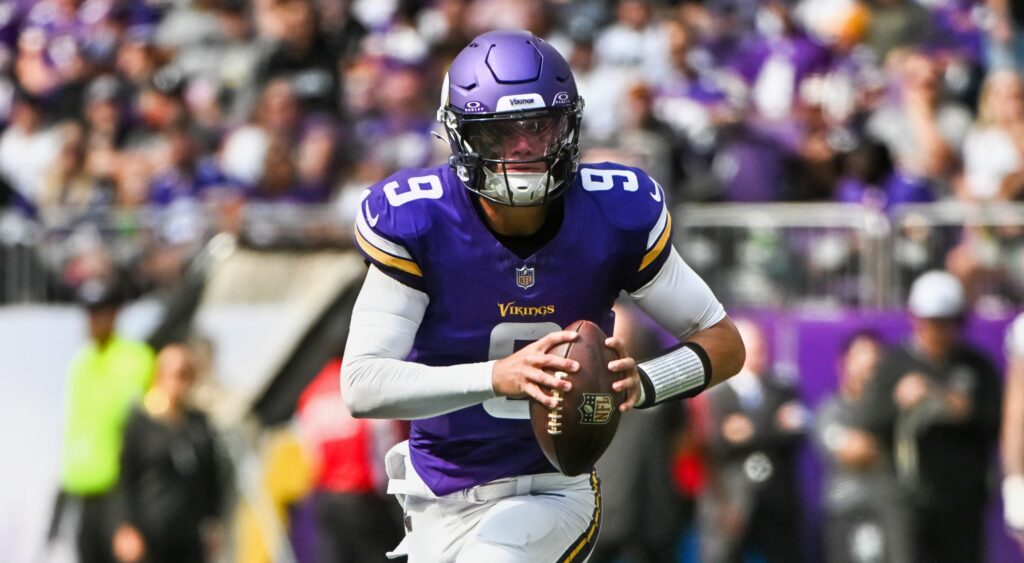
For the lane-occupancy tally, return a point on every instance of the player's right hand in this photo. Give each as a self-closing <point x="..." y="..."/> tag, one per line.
<point x="524" y="372"/>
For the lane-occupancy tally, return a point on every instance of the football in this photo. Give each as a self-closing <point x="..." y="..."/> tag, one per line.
<point x="577" y="432"/>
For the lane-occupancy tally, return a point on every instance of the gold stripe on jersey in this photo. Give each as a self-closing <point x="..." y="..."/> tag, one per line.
<point x="407" y="266"/>
<point x="659" y="246"/>
<point x="581" y="548"/>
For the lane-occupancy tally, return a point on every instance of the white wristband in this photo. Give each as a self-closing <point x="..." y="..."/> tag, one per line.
<point x="680" y="373"/>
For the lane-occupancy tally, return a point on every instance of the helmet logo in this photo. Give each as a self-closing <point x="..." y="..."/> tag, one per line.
<point x="524" y="277"/>
<point x="561" y="98"/>
<point x="474" y="107"/>
<point x="520" y="102"/>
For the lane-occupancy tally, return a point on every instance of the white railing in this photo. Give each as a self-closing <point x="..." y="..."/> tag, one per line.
<point x="786" y="254"/>
<point x="149" y="248"/>
<point x="983" y="244"/>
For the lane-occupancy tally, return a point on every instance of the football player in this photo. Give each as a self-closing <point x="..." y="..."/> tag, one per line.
<point x="474" y="267"/>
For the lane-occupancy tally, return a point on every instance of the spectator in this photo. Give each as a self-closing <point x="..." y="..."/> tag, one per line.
<point x="1013" y="432"/>
<point x="193" y="33"/>
<point x="28" y="147"/>
<point x="867" y="516"/>
<point x="68" y="185"/>
<point x="645" y="140"/>
<point x="401" y="40"/>
<point x="896" y="23"/>
<point x="693" y="102"/>
<point x="137" y="57"/>
<point x="993" y="151"/>
<point x="751" y="503"/>
<point x="1006" y="34"/>
<point x="106" y="130"/>
<point x="343" y="32"/>
<point x="398" y="135"/>
<point x="776" y="62"/>
<point x="355" y="519"/>
<point x="634" y="42"/>
<point x="105" y="378"/>
<point x="185" y="174"/>
<point x="601" y="86"/>
<point x="158" y="105"/>
<point x="760" y="161"/>
<point x="853" y="80"/>
<point x="234" y="74"/>
<point x="443" y="25"/>
<point x="172" y="486"/>
<point x="277" y="115"/>
<point x="924" y="132"/>
<point x="282" y="179"/>
<point x="300" y="55"/>
<point x="867" y="174"/>
<point x="934" y="403"/>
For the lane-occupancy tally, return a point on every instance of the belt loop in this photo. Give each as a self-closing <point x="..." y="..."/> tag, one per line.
<point x="524" y="485"/>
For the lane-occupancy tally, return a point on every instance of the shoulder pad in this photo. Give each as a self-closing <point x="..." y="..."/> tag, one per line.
<point x="633" y="202"/>
<point x="395" y="213"/>
<point x="627" y="196"/>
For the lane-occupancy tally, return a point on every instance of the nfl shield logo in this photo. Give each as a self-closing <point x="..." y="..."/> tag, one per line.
<point x="596" y="409"/>
<point x="524" y="277"/>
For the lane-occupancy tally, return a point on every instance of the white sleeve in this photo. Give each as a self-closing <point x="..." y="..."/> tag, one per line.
<point x="376" y="382"/>
<point x="678" y="299"/>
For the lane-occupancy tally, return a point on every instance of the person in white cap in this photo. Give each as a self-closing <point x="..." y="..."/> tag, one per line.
<point x="935" y="403"/>
<point x="1013" y="432"/>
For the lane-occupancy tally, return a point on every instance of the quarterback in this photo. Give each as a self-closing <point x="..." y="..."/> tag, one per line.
<point x="474" y="268"/>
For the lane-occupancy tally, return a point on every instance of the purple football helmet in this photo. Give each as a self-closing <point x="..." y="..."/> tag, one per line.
<point x="512" y="114"/>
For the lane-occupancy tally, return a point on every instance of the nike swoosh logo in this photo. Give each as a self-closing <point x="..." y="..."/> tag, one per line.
<point x="656" y="194"/>
<point x="371" y="219"/>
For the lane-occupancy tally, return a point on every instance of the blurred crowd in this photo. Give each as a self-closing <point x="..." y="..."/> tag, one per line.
<point x="128" y="103"/>
<point x="183" y="108"/>
<point x="904" y="437"/>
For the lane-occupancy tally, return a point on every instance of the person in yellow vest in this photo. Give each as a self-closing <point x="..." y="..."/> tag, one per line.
<point x="105" y="379"/>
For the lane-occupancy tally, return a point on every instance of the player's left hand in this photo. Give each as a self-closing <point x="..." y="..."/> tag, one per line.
<point x="630" y="382"/>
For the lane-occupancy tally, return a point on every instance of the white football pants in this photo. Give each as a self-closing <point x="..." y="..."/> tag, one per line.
<point x="528" y="519"/>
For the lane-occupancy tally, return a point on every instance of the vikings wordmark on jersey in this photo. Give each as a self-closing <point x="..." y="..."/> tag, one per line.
<point x="485" y="302"/>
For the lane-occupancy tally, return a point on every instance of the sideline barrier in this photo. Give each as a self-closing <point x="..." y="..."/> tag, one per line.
<point x="150" y="249"/>
<point x="789" y="254"/>
<point x="806" y="255"/>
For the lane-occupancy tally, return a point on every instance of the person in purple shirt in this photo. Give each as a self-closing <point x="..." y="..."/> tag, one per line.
<point x="187" y="174"/>
<point x="474" y="268"/>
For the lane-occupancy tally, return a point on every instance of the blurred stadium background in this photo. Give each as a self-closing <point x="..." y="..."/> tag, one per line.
<point x="208" y="156"/>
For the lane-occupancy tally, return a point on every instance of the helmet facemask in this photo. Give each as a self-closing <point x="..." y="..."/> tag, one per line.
<point x="521" y="158"/>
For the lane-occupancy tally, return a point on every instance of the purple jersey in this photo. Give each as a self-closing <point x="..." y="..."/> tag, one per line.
<point x="420" y="227"/>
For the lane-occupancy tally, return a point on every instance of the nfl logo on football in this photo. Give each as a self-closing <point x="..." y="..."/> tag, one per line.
<point x="524" y="277"/>
<point x="596" y="409"/>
